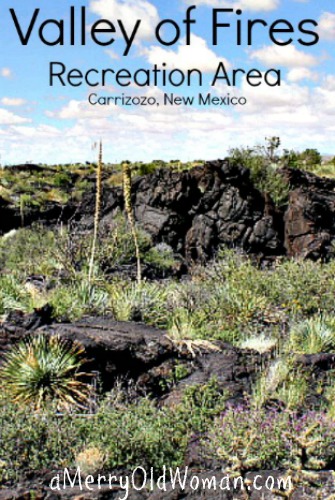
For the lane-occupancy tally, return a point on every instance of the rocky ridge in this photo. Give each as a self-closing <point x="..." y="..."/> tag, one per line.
<point x="197" y="211"/>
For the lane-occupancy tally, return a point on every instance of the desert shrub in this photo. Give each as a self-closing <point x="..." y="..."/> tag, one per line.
<point x="268" y="439"/>
<point x="62" y="179"/>
<point x="116" y="245"/>
<point x="216" y="310"/>
<point x="13" y="295"/>
<point x="296" y="287"/>
<point x="263" y="171"/>
<point x="283" y="382"/>
<point x="273" y="183"/>
<point x="160" y="257"/>
<point x="146" y="168"/>
<point x="302" y="287"/>
<point x="201" y="404"/>
<point x="31" y="251"/>
<point x="294" y="390"/>
<point x="310" y="158"/>
<point x="30" y="441"/>
<point x="140" y="434"/>
<point x="124" y="434"/>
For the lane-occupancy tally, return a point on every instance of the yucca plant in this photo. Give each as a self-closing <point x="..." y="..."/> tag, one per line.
<point x="312" y="336"/>
<point x="41" y="369"/>
<point x="126" y="171"/>
<point x="96" y="213"/>
<point x="144" y="302"/>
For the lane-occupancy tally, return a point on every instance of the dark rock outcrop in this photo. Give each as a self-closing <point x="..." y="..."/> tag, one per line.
<point x="310" y="216"/>
<point x="197" y="211"/>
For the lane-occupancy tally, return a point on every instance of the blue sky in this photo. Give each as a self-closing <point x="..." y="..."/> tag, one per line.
<point x="57" y="124"/>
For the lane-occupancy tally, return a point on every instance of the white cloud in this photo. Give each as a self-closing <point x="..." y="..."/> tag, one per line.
<point x="292" y="111"/>
<point x="298" y="74"/>
<point x="129" y="11"/>
<point x="197" y="55"/>
<point x="325" y="96"/>
<point x="6" y="72"/>
<point x="9" y="118"/>
<point x="151" y="132"/>
<point x="75" y="110"/>
<point x="288" y="56"/>
<point x="252" y="5"/>
<point x="327" y="26"/>
<point x="295" y="113"/>
<point x="13" y="101"/>
<point x="329" y="82"/>
<point x="41" y="131"/>
<point x="279" y="99"/>
<point x="112" y="54"/>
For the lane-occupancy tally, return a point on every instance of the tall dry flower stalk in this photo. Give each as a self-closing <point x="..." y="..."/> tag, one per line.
<point x="96" y="213"/>
<point x="126" y="171"/>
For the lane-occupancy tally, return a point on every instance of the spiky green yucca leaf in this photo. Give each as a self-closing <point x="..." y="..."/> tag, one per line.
<point x="44" y="368"/>
<point x="312" y="336"/>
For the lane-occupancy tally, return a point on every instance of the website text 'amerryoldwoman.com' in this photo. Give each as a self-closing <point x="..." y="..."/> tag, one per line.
<point x="170" y="479"/>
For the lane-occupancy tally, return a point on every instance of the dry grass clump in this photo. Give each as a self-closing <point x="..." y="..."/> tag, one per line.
<point x="90" y="460"/>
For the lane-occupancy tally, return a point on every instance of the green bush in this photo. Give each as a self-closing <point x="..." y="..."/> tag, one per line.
<point x="129" y="434"/>
<point x="29" y="251"/>
<point x="62" y="179"/>
<point x="160" y="257"/>
<point x="263" y="171"/>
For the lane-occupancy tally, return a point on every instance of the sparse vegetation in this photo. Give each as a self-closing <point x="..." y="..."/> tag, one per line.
<point x="245" y="438"/>
<point x="283" y="312"/>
